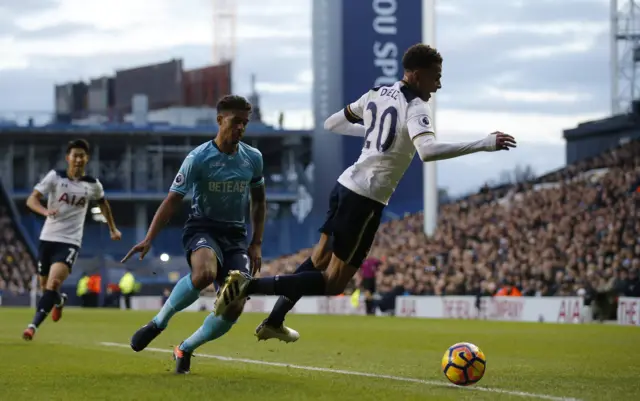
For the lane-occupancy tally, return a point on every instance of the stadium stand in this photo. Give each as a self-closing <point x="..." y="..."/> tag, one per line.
<point x="573" y="231"/>
<point x="17" y="255"/>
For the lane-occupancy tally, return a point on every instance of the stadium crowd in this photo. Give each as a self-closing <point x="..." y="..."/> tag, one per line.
<point x="17" y="266"/>
<point x="574" y="231"/>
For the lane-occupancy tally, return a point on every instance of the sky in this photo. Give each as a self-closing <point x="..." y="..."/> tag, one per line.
<point x="530" y="68"/>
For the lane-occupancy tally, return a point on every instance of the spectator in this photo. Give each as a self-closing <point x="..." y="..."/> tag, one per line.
<point x="17" y="265"/>
<point x="576" y="229"/>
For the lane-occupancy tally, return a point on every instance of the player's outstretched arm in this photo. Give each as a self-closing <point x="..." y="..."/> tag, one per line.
<point x="340" y="124"/>
<point x="179" y="188"/>
<point x="165" y="211"/>
<point x="258" y="215"/>
<point x="421" y="132"/>
<point x="431" y="150"/>
<point x="348" y="121"/>
<point x="105" y="209"/>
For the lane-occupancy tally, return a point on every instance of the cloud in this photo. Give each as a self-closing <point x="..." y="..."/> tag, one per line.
<point x="7" y="27"/>
<point x="535" y="48"/>
<point x="293" y="118"/>
<point x="533" y="96"/>
<point x="462" y="124"/>
<point x="31" y="93"/>
<point x="531" y="68"/>
<point x="561" y="28"/>
<point x="531" y="52"/>
<point x="270" y="87"/>
<point x="448" y="9"/>
<point x="27" y="6"/>
<point x="127" y="26"/>
<point x="301" y="84"/>
<point x="11" y="60"/>
<point x="55" y="32"/>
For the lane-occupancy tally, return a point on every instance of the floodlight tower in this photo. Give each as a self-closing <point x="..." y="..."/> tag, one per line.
<point x="625" y="55"/>
<point x="224" y="30"/>
<point x="429" y="170"/>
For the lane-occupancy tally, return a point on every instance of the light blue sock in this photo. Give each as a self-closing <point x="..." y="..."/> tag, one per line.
<point x="182" y="295"/>
<point x="212" y="328"/>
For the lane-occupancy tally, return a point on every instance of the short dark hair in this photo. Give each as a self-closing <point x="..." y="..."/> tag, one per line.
<point x="78" y="144"/>
<point x="233" y="102"/>
<point x="420" y="56"/>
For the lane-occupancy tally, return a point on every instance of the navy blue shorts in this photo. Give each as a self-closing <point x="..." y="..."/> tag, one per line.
<point x="352" y="221"/>
<point x="55" y="252"/>
<point x="230" y="250"/>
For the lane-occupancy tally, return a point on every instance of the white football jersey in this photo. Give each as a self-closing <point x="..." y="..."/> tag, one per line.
<point x="71" y="199"/>
<point x="393" y="116"/>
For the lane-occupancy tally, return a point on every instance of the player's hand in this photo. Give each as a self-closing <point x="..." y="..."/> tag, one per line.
<point x="500" y="141"/>
<point x="255" y="257"/>
<point x="142" y="248"/>
<point x="116" y="235"/>
<point x="51" y="213"/>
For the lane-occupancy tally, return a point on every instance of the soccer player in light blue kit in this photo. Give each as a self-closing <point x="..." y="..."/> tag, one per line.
<point x="221" y="172"/>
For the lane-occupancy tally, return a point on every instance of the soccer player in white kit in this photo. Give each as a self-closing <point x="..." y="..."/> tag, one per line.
<point x="396" y="122"/>
<point x="69" y="191"/>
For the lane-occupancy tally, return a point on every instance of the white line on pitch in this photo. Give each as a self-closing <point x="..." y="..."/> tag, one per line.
<point x="361" y="374"/>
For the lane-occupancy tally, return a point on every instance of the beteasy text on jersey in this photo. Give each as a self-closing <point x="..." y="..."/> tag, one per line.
<point x="228" y="186"/>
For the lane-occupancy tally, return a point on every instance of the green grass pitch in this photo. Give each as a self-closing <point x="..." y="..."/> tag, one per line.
<point x="86" y="356"/>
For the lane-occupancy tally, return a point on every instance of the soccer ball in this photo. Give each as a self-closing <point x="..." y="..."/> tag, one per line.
<point x="464" y="364"/>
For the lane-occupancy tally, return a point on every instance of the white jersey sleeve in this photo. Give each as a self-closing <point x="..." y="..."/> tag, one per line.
<point x="97" y="191"/>
<point x="419" y="119"/>
<point x="48" y="183"/>
<point x="355" y="111"/>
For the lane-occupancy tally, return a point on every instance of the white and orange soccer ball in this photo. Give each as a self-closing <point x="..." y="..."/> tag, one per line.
<point x="464" y="364"/>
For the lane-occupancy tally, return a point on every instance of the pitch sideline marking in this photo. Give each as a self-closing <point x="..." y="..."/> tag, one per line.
<point x="361" y="374"/>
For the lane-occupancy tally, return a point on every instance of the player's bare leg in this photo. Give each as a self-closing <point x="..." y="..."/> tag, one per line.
<point x="212" y="328"/>
<point x="273" y="326"/>
<point x="338" y="275"/>
<point x="187" y="290"/>
<point x="50" y="300"/>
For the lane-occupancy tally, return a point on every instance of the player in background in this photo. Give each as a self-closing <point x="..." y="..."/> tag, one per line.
<point x="396" y="123"/>
<point x="69" y="193"/>
<point x="221" y="173"/>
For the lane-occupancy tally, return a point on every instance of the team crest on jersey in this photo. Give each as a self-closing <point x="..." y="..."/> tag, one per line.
<point x="424" y="121"/>
<point x="179" y="179"/>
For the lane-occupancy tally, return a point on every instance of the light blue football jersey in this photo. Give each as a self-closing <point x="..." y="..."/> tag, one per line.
<point x="220" y="183"/>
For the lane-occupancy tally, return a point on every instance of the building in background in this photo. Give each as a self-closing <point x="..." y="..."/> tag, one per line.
<point x="173" y="95"/>
<point x="205" y="86"/>
<point x="161" y="83"/>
